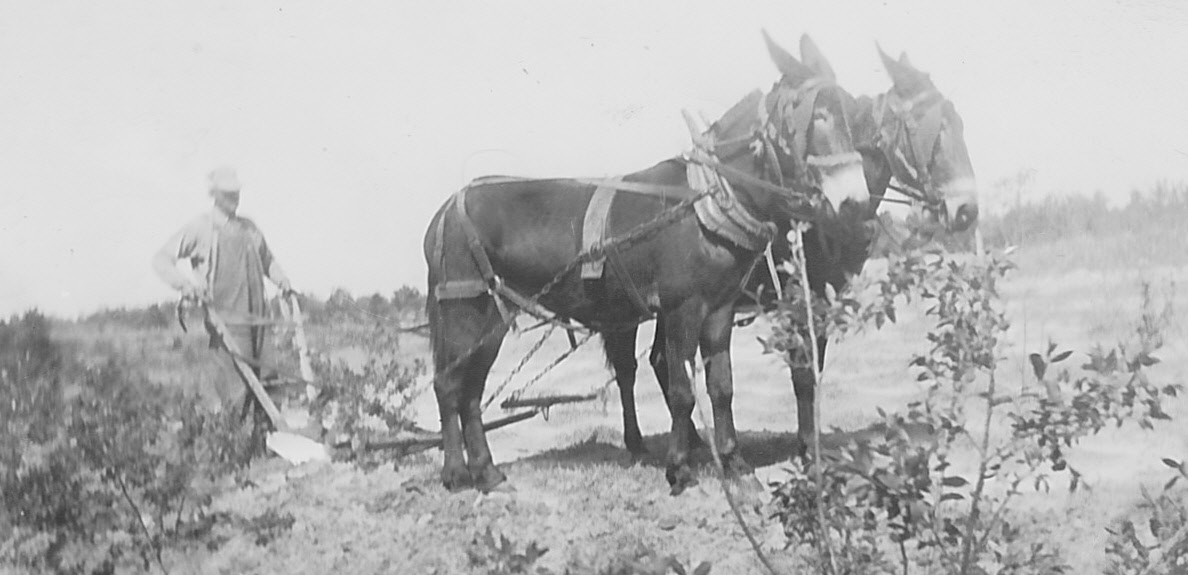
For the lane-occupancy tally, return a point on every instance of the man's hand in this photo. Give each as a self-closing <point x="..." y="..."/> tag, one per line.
<point x="192" y="292"/>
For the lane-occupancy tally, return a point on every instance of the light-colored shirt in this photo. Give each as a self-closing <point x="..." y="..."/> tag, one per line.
<point x="199" y="243"/>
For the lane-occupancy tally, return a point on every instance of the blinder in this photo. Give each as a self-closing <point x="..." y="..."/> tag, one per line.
<point x="787" y="119"/>
<point x="922" y="136"/>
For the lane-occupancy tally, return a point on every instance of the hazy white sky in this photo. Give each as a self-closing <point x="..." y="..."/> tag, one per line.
<point x="350" y="122"/>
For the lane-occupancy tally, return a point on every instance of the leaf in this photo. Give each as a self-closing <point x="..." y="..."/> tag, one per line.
<point x="1001" y="400"/>
<point x="954" y="481"/>
<point x="676" y="566"/>
<point x="534" y="552"/>
<point x="1037" y="365"/>
<point x="1061" y="356"/>
<point x="952" y="497"/>
<point x="703" y="568"/>
<point x="1172" y="463"/>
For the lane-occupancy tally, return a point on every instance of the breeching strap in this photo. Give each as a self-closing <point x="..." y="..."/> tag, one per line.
<point x="472" y="237"/>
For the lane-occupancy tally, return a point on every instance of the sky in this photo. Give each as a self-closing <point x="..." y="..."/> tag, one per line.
<point x="351" y="122"/>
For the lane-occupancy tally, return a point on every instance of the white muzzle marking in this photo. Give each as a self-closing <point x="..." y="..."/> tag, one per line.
<point x="957" y="193"/>
<point x="845" y="183"/>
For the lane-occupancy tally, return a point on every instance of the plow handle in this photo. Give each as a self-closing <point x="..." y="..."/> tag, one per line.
<point x="245" y="372"/>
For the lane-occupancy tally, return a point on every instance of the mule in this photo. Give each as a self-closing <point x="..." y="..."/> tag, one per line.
<point x="673" y="253"/>
<point x="911" y="133"/>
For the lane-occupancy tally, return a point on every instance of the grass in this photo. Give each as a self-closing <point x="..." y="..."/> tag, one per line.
<point x="575" y="496"/>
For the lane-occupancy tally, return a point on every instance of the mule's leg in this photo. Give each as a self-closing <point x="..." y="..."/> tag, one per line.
<point x="620" y="352"/>
<point x="482" y="468"/>
<point x="805" y="386"/>
<point x="719" y="383"/>
<point x="447" y="386"/>
<point x="681" y="330"/>
<point x="464" y="331"/>
<point x="659" y="360"/>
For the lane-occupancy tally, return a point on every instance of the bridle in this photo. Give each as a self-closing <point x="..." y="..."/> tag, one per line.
<point x="922" y="136"/>
<point x="785" y="119"/>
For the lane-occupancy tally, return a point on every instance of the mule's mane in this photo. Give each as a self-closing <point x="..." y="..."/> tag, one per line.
<point x="741" y="119"/>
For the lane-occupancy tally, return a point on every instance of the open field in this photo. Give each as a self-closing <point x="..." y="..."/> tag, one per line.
<point x="576" y="495"/>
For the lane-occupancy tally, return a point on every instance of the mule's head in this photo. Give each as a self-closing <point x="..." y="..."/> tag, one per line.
<point x="922" y="137"/>
<point x="814" y="142"/>
<point x="811" y="131"/>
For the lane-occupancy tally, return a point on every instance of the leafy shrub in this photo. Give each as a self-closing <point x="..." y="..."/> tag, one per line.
<point x="1138" y="547"/>
<point x="502" y="557"/>
<point x="899" y="494"/>
<point x="372" y="398"/>
<point x="100" y="472"/>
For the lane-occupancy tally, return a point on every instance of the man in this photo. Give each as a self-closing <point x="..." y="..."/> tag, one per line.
<point x="228" y="258"/>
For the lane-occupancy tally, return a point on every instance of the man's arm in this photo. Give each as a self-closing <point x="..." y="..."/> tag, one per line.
<point x="272" y="268"/>
<point x="180" y="246"/>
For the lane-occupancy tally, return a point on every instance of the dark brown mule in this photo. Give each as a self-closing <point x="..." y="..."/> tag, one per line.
<point x="854" y="237"/>
<point x="913" y="134"/>
<point x="504" y="243"/>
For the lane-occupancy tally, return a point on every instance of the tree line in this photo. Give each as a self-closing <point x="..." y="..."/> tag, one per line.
<point x="1161" y="209"/>
<point x="405" y="305"/>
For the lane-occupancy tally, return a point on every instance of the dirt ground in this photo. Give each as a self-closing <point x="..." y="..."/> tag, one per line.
<point x="576" y="495"/>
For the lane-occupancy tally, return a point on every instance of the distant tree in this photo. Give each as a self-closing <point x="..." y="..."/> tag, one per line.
<point x="340" y="304"/>
<point x="26" y="350"/>
<point x="377" y="307"/>
<point x="408" y="299"/>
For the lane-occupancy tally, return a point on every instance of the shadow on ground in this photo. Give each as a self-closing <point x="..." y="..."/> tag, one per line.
<point x="759" y="448"/>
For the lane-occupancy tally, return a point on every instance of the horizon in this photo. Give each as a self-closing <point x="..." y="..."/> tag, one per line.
<point x="349" y="126"/>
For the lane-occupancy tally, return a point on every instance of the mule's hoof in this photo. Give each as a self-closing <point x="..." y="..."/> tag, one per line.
<point x="635" y="447"/>
<point x="736" y="467"/>
<point x="680" y="478"/>
<point x="750" y="487"/>
<point x="456" y="480"/>
<point x="489" y="479"/>
<point x="679" y="488"/>
<point x="635" y="457"/>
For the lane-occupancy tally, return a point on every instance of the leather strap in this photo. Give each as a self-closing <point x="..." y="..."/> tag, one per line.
<point x="594" y="228"/>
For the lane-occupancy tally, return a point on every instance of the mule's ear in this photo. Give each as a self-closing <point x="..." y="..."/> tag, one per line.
<point x="813" y="58"/>
<point x="903" y="61"/>
<point x="785" y="62"/>
<point x="903" y="75"/>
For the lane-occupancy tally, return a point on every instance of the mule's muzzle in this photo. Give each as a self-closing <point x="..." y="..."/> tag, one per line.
<point x="843" y="182"/>
<point x="964" y="217"/>
<point x="960" y="207"/>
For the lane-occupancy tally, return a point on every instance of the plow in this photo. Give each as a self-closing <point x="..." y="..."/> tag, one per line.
<point x="297" y="445"/>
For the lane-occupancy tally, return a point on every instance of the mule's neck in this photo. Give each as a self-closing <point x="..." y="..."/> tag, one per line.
<point x="868" y="119"/>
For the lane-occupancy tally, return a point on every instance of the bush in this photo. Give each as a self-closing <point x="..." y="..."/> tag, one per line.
<point x="368" y="398"/>
<point x="99" y="472"/>
<point x="899" y="498"/>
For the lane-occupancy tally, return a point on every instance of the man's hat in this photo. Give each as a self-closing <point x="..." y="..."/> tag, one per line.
<point x="224" y="180"/>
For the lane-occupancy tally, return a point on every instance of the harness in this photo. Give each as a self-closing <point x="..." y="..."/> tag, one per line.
<point x="714" y="202"/>
<point x="921" y="136"/>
